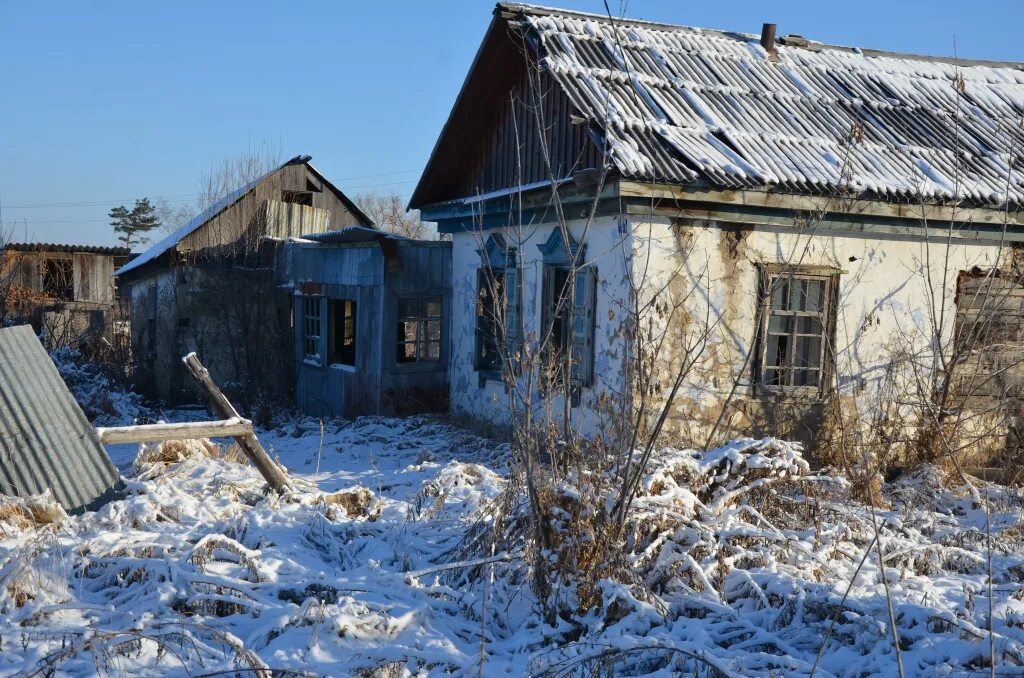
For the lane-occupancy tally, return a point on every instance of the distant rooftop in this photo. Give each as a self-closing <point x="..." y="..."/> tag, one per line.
<point x="66" y="248"/>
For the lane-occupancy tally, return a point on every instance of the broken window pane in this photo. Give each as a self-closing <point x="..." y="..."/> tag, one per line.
<point x="795" y="331"/>
<point x="419" y="327"/>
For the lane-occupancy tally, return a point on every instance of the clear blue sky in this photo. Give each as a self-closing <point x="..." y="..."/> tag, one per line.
<point x="103" y="102"/>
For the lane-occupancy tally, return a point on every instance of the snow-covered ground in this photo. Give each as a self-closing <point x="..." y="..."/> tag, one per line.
<point x="739" y="562"/>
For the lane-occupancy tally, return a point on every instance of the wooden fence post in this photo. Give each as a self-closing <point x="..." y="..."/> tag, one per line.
<point x="271" y="472"/>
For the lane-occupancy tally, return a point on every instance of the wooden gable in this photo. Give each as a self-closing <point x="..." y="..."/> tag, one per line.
<point x="493" y="139"/>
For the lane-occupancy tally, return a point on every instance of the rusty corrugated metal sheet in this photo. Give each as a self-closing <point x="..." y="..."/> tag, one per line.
<point x="45" y="439"/>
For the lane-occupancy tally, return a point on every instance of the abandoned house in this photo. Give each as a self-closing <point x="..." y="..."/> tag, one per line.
<point x="210" y="287"/>
<point x="66" y="292"/>
<point x="789" y="196"/>
<point x="371" y="322"/>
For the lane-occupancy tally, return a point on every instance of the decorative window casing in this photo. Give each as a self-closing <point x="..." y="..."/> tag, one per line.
<point x="796" y="330"/>
<point x="312" y="328"/>
<point x="498" y="318"/>
<point x="342" y="313"/>
<point x="568" y="309"/>
<point x="419" y="330"/>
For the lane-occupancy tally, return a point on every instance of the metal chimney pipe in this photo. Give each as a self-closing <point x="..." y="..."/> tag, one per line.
<point x="768" y="38"/>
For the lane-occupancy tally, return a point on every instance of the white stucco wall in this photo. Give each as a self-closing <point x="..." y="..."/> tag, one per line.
<point x="886" y="286"/>
<point x="607" y="243"/>
<point x="883" y="301"/>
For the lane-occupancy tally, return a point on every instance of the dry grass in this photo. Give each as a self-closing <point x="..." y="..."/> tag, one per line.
<point x="172" y="452"/>
<point x="32" y="512"/>
<point x="356" y="502"/>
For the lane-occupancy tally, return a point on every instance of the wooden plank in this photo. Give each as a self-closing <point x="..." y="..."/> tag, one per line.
<point x="151" y="433"/>
<point x="271" y="472"/>
<point x="756" y="198"/>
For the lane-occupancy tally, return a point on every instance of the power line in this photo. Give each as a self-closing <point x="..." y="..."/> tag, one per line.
<point x="185" y="197"/>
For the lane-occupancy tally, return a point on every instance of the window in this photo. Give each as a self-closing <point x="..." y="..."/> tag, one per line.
<point x="343" y="331"/>
<point x="297" y="197"/>
<point x="419" y="330"/>
<point x="311" y="328"/>
<point x="796" y="331"/>
<point x="570" y="324"/>
<point x="568" y="309"/>
<point x="497" y="315"/>
<point x="497" y="307"/>
<point x="58" y="279"/>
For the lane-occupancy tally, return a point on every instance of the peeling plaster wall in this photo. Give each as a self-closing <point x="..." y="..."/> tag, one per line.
<point x="882" y="307"/>
<point x="883" y="302"/>
<point x="608" y="246"/>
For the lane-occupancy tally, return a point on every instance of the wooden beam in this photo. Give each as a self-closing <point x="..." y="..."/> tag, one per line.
<point x="916" y="211"/>
<point x="152" y="433"/>
<point x="268" y="468"/>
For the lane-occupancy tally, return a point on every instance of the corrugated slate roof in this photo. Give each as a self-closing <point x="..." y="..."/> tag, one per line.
<point x="65" y="248"/>
<point x="45" y="439"/>
<point x="679" y="104"/>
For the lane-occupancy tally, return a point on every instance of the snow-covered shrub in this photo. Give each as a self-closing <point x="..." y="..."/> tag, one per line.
<point x="105" y="401"/>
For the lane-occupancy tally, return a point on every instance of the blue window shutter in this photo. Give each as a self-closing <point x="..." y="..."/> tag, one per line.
<point x="583" y="305"/>
<point x="512" y="333"/>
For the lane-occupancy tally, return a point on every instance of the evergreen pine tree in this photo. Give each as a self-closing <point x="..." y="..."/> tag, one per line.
<point x="132" y="226"/>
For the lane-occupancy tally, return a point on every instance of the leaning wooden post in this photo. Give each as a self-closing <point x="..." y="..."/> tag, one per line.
<point x="273" y="473"/>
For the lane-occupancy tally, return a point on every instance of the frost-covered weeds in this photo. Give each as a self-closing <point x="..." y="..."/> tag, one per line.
<point x="402" y="550"/>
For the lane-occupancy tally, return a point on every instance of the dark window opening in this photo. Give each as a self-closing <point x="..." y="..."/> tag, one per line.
<point x="419" y="330"/>
<point x="569" y="323"/>
<point x="297" y="197"/>
<point x="797" y="330"/>
<point x="498" y="321"/>
<point x="490" y="289"/>
<point x="58" y="279"/>
<point x="343" y="331"/>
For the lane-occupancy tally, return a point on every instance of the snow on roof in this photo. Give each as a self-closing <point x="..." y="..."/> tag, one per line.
<point x="354" y="233"/>
<point x="190" y="227"/>
<point x="679" y="105"/>
<point x="206" y="215"/>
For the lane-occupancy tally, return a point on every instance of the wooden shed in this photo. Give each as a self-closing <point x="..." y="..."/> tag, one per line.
<point x="372" y="314"/>
<point x="67" y="292"/>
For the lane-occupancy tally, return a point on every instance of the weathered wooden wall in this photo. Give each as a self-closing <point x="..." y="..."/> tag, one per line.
<point x="376" y="281"/>
<point x="248" y="220"/>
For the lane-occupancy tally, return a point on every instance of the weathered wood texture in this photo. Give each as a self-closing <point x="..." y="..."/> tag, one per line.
<point x="493" y="138"/>
<point x="151" y="433"/>
<point x="251" y="447"/>
<point x="377" y="280"/>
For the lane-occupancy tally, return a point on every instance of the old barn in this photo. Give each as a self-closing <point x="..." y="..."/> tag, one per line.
<point x="210" y="286"/>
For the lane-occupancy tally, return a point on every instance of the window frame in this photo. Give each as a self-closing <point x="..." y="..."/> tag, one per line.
<point x="828" y="315"/>
<point x="498" y="272"/>
<point x="340" y="354"/>
<point x="309" y="301"/>
<point x="421" y="320"/>
<point x="584" y="301"/>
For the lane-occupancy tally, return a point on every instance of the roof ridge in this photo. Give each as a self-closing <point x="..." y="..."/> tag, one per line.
<point x="812" y="46"/>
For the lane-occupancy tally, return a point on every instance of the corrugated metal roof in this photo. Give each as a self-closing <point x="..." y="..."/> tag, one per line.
<point x="45" y="439"/>
<point x="352" y="234"/>
<point x="65" y="248"/>
<point x="679" y="104"/>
